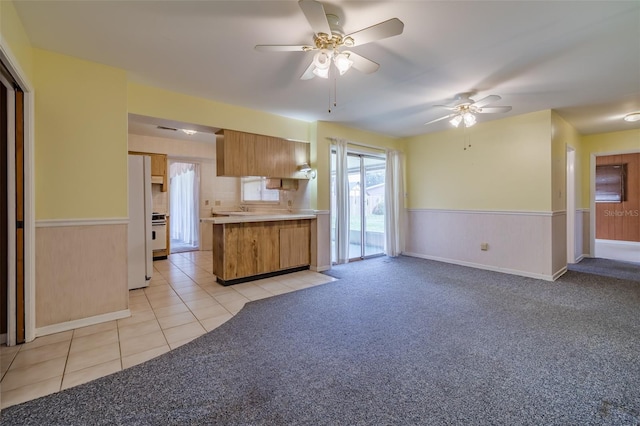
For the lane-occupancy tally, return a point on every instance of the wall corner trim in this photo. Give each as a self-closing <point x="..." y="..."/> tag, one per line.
<point x="560" y="273"/>
<point x="320" y="268"/>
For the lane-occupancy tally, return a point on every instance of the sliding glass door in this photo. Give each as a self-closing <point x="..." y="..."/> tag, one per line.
<point x="366" y="175"/>
<point x="184" y="192"/>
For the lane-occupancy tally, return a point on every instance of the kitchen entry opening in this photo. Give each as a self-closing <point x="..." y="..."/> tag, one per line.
<point x="366" y="211"/>
<point x="184" y="205"/>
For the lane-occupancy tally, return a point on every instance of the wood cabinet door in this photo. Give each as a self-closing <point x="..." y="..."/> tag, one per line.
<point x="256" y="249"/>
<point x="158" y="164"/>
<point x="247" y="154"/>
<point x="301" y="155"/>
<point x="236" y="154"/>
<point x="294" y="245"/>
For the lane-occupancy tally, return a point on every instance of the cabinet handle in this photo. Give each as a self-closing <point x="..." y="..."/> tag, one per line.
<point x="153" y="235"/>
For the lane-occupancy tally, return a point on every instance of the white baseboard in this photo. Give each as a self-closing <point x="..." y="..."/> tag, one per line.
<point x="490" y="268"/>
<point x="626" y="251"/>
<point x="83" y="322"/>
<point x="560" y="273"/>
<point x="320" y="268"/>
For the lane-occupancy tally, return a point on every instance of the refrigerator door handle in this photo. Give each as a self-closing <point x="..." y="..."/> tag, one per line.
<point x="153" y="235"/>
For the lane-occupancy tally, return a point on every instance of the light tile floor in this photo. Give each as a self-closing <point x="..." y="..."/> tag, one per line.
<point x="182" y="302"/>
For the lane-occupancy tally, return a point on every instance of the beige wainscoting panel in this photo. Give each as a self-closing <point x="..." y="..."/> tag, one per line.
<point x="519" y="243"/>
<point x="585" y="232"/>
<point x="81" y="272"/>
<point x="321" y="241"/>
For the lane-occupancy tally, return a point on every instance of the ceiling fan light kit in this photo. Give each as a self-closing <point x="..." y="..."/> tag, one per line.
<point x="322" y="62"/>
<point x="342" y="62"/>
<point x="329" y="39"/>
<point x="464" y="110"/>
<point x="632" y="117"/>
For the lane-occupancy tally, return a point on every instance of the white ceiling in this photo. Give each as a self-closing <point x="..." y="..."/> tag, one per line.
<point x="579" y="58"/>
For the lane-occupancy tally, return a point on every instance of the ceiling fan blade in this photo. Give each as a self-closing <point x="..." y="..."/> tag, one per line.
<point x="363" y="64"/>
<point x="308" y="73"/>
<point x="314" y="12"/>
<point x="379" y="31"/>
<point x="282" y="48"/>
<point x="439" y="119"/>
<point x="486" y="100"/>
<point x="495" y="109"/>
<point x="450" y="108"/>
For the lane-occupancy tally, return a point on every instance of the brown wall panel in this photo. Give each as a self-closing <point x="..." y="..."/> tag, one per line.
<point x="621" y="221"/>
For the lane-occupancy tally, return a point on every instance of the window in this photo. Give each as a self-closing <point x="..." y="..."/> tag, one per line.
<point x="610" y="183"/>
<point x="254" y="190"/>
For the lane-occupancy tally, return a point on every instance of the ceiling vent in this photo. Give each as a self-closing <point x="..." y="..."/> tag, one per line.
<point x="167" y="128"/>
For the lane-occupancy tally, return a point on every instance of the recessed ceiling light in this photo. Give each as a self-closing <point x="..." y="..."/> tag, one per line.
<point x="189" y="132"/>
<point x="634" y="116"/>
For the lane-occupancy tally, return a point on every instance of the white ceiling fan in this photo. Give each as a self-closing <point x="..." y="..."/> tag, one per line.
<point x="329" y="39"/>
<point x="464" y="109"/>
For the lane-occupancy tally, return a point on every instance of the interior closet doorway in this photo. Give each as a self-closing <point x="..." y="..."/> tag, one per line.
<point x="615" y="221"/>
<point x="184" y="206"/>
<point x="12" y="211"/>
<point x="366" y="209"/>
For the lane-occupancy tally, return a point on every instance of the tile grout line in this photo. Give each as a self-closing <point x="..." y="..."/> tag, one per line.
<point x="156" y="317"/>
<point x="189" y="308"/>
<point x="181" y="266"/>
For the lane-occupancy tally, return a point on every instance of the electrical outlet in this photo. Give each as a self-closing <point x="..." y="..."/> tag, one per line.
<point x="206" y="202"/>
<point x="289" y="203"/>
<point x="216" y="202"/>
<point x="484" y="246"/>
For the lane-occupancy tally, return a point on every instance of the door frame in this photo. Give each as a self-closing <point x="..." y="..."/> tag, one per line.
<point x="571" y="204"/>
<point x="592" y="193"/>
<point x="12" y="65"/>
<point x="197" y="181"/>
<point x="363" y="222"/>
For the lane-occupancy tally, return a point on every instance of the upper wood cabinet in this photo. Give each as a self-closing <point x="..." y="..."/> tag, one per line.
<point x="158" y="164"/>
<point x="248" y="154"/>
<point x="159" y="169"/>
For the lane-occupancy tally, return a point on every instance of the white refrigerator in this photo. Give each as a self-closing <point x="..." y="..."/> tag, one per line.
<point x="140" y="209"/>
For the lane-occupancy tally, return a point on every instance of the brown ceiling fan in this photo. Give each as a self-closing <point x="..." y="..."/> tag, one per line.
<point x="329" y="40"/>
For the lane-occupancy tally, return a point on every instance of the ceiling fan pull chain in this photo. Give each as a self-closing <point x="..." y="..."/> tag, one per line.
<point x="335" y="90"/>
<point x="329" y="96"/>
<point x="466" y="139"/>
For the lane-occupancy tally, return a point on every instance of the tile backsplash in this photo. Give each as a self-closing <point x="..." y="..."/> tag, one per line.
<point x="160" y="203"/>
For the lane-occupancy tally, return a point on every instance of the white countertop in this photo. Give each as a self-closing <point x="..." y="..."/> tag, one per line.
<point x="241" y="217"/>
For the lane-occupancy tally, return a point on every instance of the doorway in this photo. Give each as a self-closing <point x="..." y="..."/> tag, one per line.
<point x="184" y="203"/>
<point x="366" y="175"/>
<point x="615" y="201"/>
<point x="12" y="207"/>
<point x="571" y="205"/>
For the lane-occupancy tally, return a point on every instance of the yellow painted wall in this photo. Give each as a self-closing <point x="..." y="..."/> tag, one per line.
<point x="602" y="143"/>
<point x="15" y="38"/>
<point x="80" y="138"/>
<point x="154" y="102"/>
<point x="563" y="134"/>
<point x="507" y="166"/>
<point x="321" y="148"/>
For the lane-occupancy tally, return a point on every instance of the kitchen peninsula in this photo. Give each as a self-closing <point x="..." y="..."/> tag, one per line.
<point x="251" y="245"/>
